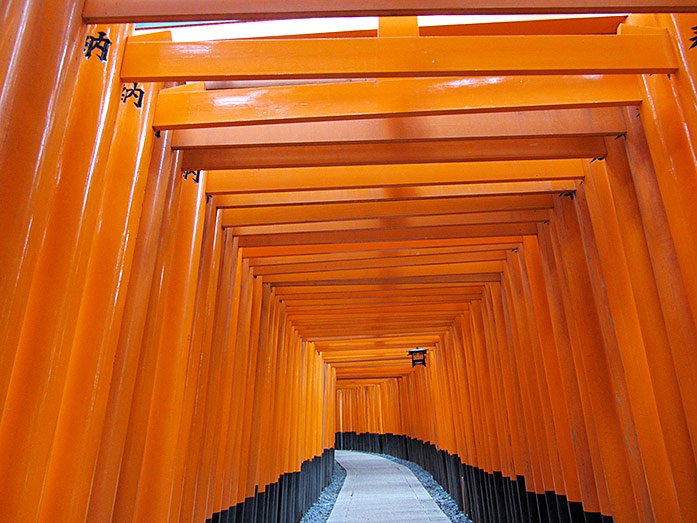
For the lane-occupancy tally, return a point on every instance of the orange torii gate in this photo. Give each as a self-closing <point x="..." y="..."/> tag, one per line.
<point x="215" y="256"/>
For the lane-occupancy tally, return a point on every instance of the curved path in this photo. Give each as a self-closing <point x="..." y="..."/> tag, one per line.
<point x="377" y="489"/>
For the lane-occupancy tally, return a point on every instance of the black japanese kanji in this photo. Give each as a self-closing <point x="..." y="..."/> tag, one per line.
<point x="194" y="175"/>
<point x="97" y="43"/>
<point x="134" y="92"/>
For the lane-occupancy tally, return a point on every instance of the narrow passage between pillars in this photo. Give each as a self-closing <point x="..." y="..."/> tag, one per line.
<point x="377" y="489"/>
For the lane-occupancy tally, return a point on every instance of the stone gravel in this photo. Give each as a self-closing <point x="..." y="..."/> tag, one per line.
<point x="440" y="496"/>
<point x="319" y="512"/>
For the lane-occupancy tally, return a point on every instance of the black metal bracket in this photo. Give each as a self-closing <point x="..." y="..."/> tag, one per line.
<point x="598" y="159"/>
<point x="99" y="43"/>
<point x="694" y="38"/>
<point x="570" y="194"/>
<point x="195" y="175"/>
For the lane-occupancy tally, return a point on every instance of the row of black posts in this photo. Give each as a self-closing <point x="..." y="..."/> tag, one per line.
<point x="286" y="500"/>
<point x="483" y="497"/>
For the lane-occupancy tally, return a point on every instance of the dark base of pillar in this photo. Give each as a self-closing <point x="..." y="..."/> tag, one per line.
<point x="484" y="497"/>
<point x="288" y="499"/>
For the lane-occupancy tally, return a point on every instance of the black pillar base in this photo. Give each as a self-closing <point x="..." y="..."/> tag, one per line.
<point x="286" y="500"/>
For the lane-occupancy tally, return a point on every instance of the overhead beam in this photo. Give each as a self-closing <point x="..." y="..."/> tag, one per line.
<point x="385" y="194"/>
<point x="393" y="153"/>
<point x="383" y="313"/>
<point x="603" y="121"/>
<point x="300" y="291"/>
<point x="355" y="246"/>
<point x="376" y="254"/>
<point x="476" y="277"/>
<point x="357" y="329"/>
<point x="328" y="297"/>
<point x="379" y="235"/>
<point x="354" y="355"/>
<point x="380" y="262"/>
<point x="397" y="57"/>
<point x="376" y="337"/>
<point x="108" y="11"/>
<point x="368" y="359"/>
<point x="391" y="272"/>
<point x="378" y="341"/>
<point x="311" y="335"/>
<point x="190" y="109"/>
<point x="344" y="211"/>
<point x="438" y="220"/>
<point x="349" y="303"/>
<point x="377" y="316"/>
<point x="345" y="177"/>
<point x="393" y="179"/>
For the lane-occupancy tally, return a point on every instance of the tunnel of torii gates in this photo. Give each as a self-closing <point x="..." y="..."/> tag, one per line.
<point x="215" y="256"/>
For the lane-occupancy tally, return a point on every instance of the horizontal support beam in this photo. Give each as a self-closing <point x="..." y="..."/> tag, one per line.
<point x="382" y="194"/>
<point x="290" y="156"/>
<point x="357" y="246"/>
<point x="313" y="103"/>
<point x="336" y="341"/>
<point x="349" y="303"/>
<point x="604" y="121"/>
<point x="344" y="333"/>
<point x="425" y="294"/>
<point x="372" y="376"/>
<point x="357" y="328"/>
<point x="376" y="341"/>
<point x="480" y="277"/>
<point x="378" y="254"/>
<point x="379" y="315"/>
<point x="382" y="316"/>
<point x="345" y="177"/>
<point x="301" y="291"/>
<point x="397" y="57"/>
<point x="439" y="220"/>
<point x="350" y="356"/>
<point x="387" y="305"/>
<point x="369" y="360"/>
<point x="380" y="262"/>
<point x="391" y="272"/>
<point x="412" y="233"/>
<point x="353" y="211"/>
<point x="108" y="11"/>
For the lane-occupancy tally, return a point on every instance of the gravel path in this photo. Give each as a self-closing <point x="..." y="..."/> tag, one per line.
<point x="441" y="497"/>
<point x="320" y="511"/>
<point x="381" y="491"/>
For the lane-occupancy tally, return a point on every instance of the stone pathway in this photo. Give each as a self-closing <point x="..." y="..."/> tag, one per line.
<point x="377" y="489"/>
